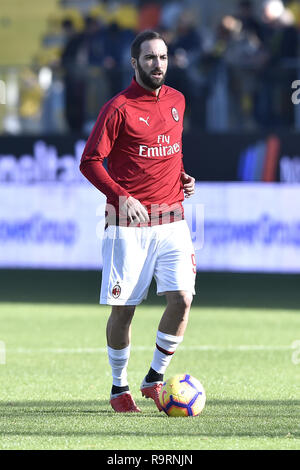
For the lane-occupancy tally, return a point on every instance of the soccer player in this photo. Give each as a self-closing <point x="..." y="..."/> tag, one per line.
<point x="139" y="131"/>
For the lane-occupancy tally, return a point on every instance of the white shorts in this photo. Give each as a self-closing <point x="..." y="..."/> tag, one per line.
<point x="132" y="256"/>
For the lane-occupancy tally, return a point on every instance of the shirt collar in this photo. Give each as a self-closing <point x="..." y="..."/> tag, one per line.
<point x="141" y="91"/>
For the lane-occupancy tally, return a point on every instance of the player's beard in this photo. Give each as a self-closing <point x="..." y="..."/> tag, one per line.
<point x="148" y="80"/>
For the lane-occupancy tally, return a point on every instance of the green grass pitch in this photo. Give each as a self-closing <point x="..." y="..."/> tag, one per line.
<point x="56" y="380"/>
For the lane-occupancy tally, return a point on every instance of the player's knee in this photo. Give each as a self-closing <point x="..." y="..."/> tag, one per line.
<point x="180" y="300"/>
<point x="123" y="314"/>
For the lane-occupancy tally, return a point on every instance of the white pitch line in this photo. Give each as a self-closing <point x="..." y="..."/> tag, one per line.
<point x="242" y="347"/>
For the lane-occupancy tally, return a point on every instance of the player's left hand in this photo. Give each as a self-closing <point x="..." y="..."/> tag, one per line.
<point x="188" y="184"/>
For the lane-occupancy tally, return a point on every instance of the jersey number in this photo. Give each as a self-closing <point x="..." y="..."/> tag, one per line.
<point x="193" y="263"/>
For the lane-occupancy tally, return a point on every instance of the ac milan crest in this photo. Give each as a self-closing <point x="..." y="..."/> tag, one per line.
<point x="116" y="291"/>
<point x="175" y="114"/>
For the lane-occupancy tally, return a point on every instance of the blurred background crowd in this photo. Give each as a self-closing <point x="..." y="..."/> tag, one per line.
<point x="234" y="60"/>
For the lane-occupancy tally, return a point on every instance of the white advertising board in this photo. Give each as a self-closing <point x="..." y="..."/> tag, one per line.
<point x="251" y="227"/>
<point x="234" y="226"/>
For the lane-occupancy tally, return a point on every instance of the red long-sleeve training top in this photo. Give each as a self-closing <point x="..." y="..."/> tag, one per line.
<point x="140" y="134"/>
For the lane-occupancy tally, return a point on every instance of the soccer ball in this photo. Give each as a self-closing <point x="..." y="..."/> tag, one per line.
<point x="182" y="395"/>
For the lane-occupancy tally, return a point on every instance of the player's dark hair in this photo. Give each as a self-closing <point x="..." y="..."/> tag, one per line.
<point x="146" y="35"/>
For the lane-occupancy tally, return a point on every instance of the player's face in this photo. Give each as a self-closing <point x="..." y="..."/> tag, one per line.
<point x="151" y="67"/>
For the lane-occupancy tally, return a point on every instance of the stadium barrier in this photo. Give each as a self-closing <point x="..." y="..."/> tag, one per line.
<point x="234" y="226"/>
<point x="208" y="157"/>
<point x="51" y="217"/>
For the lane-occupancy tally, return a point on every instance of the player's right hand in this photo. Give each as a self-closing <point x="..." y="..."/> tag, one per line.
<point x="134" y="211"/>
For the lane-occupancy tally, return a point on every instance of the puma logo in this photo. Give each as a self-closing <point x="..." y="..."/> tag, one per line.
<point x="145" y="120"/>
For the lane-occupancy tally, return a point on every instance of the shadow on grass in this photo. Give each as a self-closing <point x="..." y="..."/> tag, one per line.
<point x="220" y="418"/>
<point x="212" y="289"/>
